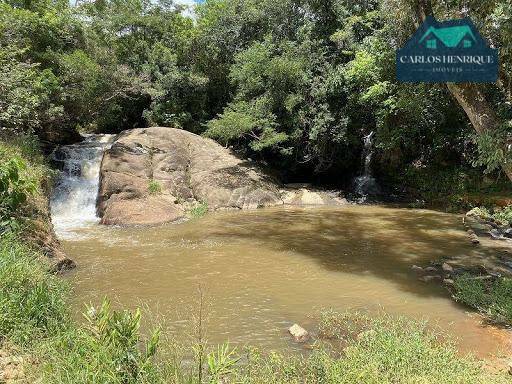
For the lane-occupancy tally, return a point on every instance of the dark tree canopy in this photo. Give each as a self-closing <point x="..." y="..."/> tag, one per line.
<point x="293" y="83"/>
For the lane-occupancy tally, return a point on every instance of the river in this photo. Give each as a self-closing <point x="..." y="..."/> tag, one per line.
<point x="261" y="271"/>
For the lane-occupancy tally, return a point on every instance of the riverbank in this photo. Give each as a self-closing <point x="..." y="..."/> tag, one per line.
<point x="480" y="280"/>
<point x="44" y="343"/>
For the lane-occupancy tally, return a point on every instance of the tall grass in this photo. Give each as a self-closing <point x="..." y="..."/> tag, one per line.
<point x="108" y="348"/>
<point x="364" y="350"/>
<point x="32" y="300"/>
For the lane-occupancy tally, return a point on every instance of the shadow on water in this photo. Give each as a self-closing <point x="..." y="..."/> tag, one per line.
<point x="384" y="243"/>
<point x="266" y="269"/>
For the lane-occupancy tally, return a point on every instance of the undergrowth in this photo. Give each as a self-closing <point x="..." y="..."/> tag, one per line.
<point x="200" y="210"/>
<point x="492" y="298"/>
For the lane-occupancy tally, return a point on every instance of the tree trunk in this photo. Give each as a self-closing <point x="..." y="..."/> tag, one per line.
<point x="469" y="95"/>
<point x="479" y="111"/>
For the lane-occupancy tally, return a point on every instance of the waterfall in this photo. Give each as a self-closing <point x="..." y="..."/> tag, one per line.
<point x="366" y="185"/>
<point x="368" y="153"/>
<point x="73" y="203"/>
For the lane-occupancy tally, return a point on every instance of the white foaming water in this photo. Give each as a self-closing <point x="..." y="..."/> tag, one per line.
<point x="73" y="203"/>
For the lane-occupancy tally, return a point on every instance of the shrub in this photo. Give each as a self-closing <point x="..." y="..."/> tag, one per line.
<point x="503" y="216"/>
<point x="199" y="210"/>
<point x="107" y="349"/>
<point x="15" y="187"/>
<point x="154" y="187"/>
<point x="494" y="299"/>
<point x="22" y="172"/>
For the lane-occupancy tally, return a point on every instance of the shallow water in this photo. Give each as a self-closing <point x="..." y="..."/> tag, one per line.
<point x="262" y="271"/>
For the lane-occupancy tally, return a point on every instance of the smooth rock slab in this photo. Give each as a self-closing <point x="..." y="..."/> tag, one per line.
<point x="186" y="167"/>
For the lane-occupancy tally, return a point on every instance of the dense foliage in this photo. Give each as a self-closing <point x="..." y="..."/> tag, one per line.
<point x="295" y="83"/>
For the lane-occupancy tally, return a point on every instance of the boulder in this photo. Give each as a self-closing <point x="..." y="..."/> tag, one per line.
<point x="183" y="168"/>
<point x="473" y="237"/>
<point x="299" y="334"/>
<point x="495" y="234"/>
<point x="304" y="194"/>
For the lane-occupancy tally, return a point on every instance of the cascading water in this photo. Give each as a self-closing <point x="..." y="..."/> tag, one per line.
<point x="366" y="185"/>
<point x="73" y="203"/>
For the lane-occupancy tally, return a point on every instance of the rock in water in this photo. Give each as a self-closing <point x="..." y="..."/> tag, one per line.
<point x="299" y="334"/>
<point x="305" y="195"/>
<point x="495" y="234"/>
<point x="428" y="279"/>
<point x="447" y="268"/>
<point x="185" y="168"/>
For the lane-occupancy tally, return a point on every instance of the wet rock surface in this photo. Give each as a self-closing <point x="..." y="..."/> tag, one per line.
<point x="482" y="231"/>
<point x="483" y="226"/>
<point x="306" y="195"/>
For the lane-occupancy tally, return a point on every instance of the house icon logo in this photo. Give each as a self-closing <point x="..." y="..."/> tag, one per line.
<point x="452" y="51"/>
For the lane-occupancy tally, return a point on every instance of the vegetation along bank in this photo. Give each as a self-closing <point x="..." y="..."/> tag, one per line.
<point x="295" y="91"/>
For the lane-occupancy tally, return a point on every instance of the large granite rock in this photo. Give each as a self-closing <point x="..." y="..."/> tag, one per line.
<point x="154" y="175"/>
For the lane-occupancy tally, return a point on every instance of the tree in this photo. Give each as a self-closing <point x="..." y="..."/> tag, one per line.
<point x="471" y="97"/>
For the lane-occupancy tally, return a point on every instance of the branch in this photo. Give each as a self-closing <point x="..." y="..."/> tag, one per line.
<point x="422" y="9"/>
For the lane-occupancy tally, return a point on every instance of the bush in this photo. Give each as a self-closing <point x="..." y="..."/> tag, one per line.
<point x="199" y="210"/>
<point x="154" y="187"/>
<point x="107" y="349"/>
<point x="503" y="216"/>
<point x="15" y="187"/>
<point x="494" y="299"/>
<point x="22" y="171"/>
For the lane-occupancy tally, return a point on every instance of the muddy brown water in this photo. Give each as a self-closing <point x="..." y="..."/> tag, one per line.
<point x="261" y="271"/>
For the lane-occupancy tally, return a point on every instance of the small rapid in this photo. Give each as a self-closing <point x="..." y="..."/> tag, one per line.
<point x="73" y="203"/>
